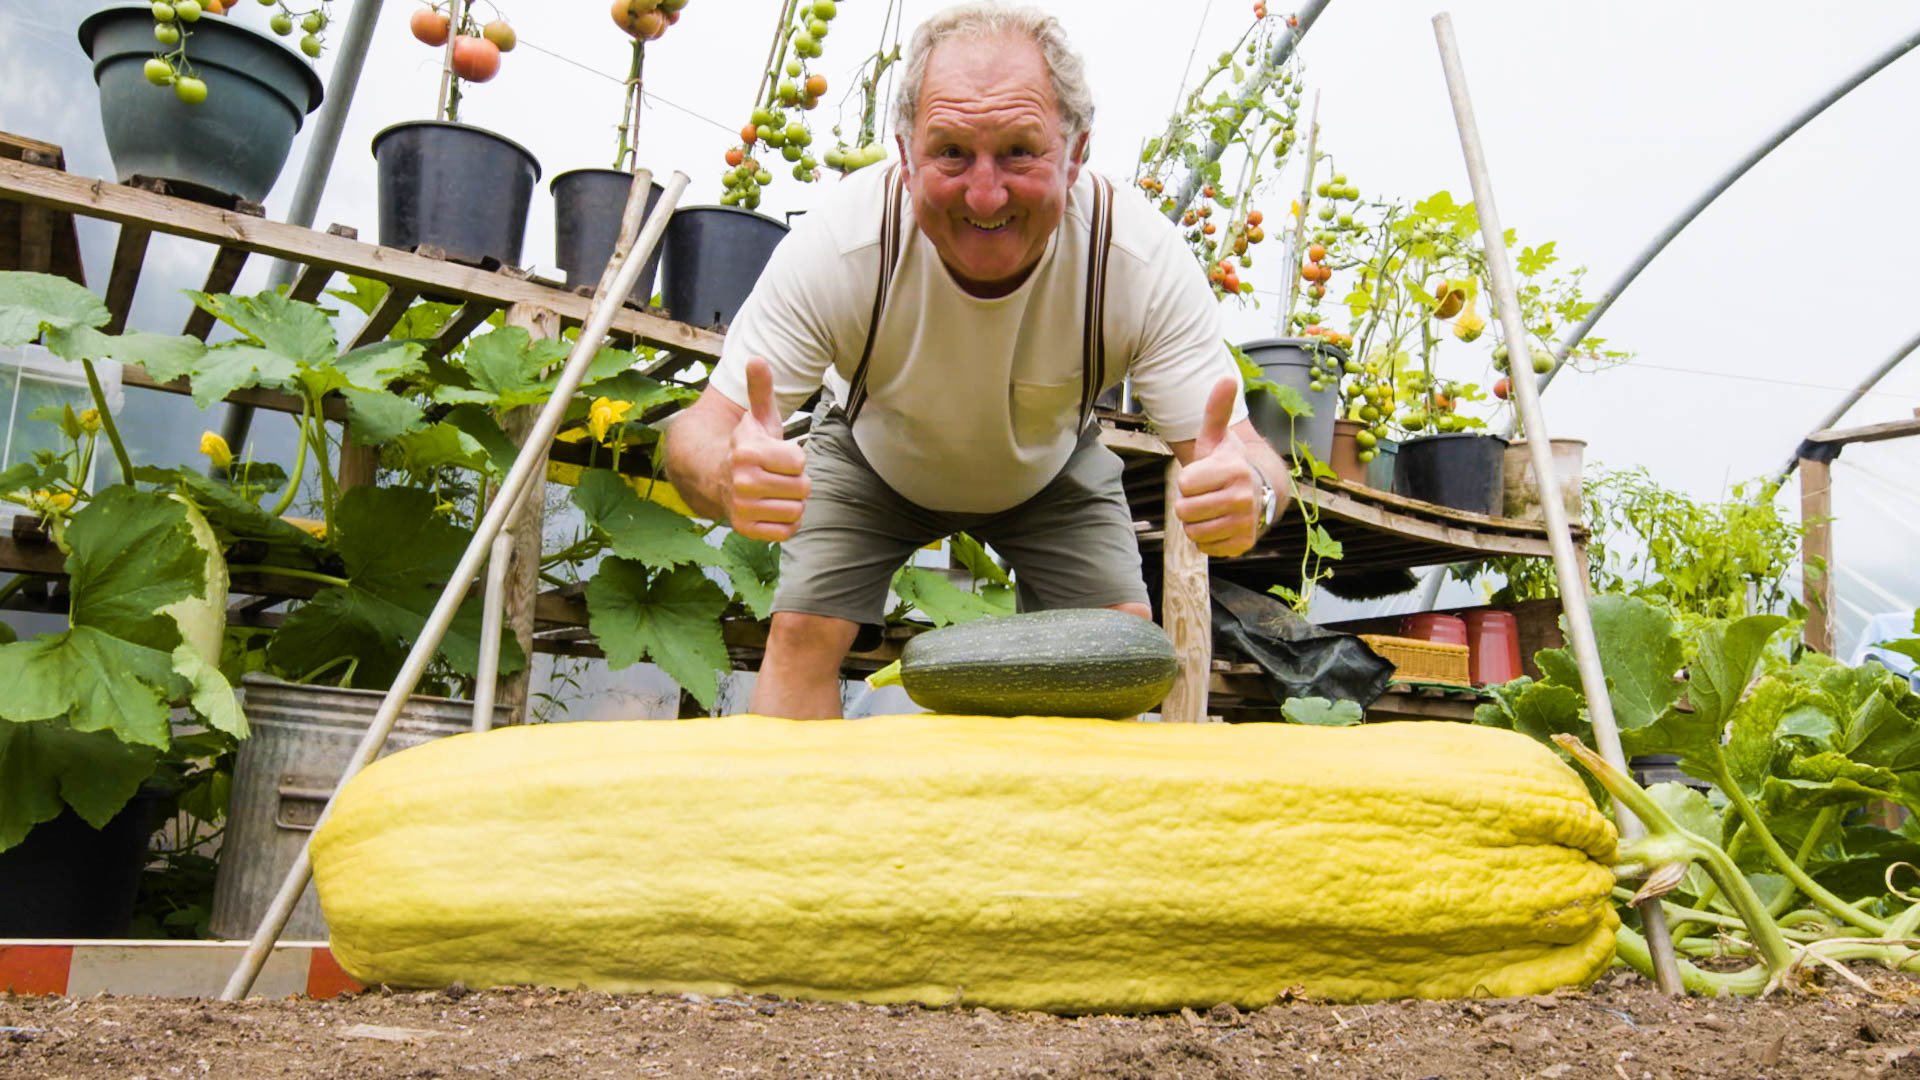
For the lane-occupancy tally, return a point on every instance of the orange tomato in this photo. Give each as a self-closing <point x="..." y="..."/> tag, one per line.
<point x="429" y="27"/>
<point x="475" y="59"/>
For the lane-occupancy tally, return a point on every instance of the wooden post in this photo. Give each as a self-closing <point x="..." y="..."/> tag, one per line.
<point x="523" y="568"/>
<point x="1816" y="552"/>
<point x="1187" y="613"/>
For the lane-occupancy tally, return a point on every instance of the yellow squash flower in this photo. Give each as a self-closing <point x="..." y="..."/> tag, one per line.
<point x="215" y="448"/>
<point x="603" y="414"/>
<point x="90" y="420"/>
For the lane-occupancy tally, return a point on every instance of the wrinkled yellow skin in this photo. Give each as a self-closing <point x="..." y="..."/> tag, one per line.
<point x="1029" y="863"/>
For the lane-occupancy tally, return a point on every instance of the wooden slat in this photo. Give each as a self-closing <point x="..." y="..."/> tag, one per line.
<point x="1893" y="429"/>
<point x="129" y="254"/>
<point x="1187" y="614"/>
<point x="384" y="318"/>
<point x="225" y="270"/>
<point x="464" y="322"/>
<point x="179" y="217"/>
<point x="1816" y="552"/>
<point x="313" y="279"/>
<point x="526" y="527"/>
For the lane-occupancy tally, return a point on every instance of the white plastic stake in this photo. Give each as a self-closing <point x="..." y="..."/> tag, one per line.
<point x="631" y="256"/>
<point x="1526" y="393"/>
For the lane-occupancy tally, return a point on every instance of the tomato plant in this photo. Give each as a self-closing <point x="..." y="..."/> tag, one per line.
<point x="173" y="23"/>
<point x="474" y="56"/>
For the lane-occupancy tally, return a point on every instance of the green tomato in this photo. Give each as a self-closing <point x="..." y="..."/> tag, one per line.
<point x="1542" y="361"/>
<point x="833" y="158"/>
<point x="1316" y="386"/>
<point x="311" y="46"/>
<point x="158" y="72"/>
<point x="791" y="151"/>
<point x="1352" y="367"/>
<point x="1367" y="455"/>
<point x="313" y="23"/>
<point x="189" y="90"/>
<point x="802" y="173"/>
<point x="166" y="33"/>
<point x="762" y="116"/>
<point x="163" y="12"/>
<point x="763" y="177"/>
<point x="817" y="29"/>
<point x="1326" y="213"/>
<point x="794" y="69"/>
<point x="1364" y="437"/>
<point x="281" y="24"/>
<point x="802" y="43"/>
<point x="187" y="10"/>
<point x="1321" y="189"/>
<point x="807" y="160"/>
<point x="1339" y="179"/>
<point x="824" y="9"/>
<point x="1346" y="221"/>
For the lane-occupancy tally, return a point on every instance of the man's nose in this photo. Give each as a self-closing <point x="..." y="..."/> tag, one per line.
<point x="986" y="188"/>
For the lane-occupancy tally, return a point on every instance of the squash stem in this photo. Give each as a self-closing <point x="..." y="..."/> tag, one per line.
<point x="1800" y="878"/>
<point x="886" y="676"/>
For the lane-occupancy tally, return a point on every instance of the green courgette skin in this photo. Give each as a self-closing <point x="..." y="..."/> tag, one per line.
<point x="1081" y="662"/>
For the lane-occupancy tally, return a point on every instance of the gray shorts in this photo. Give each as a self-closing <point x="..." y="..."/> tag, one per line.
<point x="1071" y="545"/>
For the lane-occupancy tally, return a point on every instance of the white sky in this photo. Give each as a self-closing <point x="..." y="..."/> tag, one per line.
<point x="1600" y="120"/>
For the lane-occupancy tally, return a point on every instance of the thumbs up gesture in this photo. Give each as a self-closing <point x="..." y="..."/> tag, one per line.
<point x="768" y="480"/>
<point x="1220" y="492"/>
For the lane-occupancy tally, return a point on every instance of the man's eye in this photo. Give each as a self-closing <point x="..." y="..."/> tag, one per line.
<point x="1020" y="151"/>
<point x="951" y="153"/>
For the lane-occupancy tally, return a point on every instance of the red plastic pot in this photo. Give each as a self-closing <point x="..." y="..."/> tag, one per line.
<point x="1493" y="643"/>
<point x="1434" y="627"/>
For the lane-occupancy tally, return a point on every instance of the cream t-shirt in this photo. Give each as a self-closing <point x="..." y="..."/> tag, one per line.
<point x="973" y="405"/>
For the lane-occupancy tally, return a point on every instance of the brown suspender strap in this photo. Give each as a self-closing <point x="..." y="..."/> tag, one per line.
<point x="1093" y="364"/>
<point x="889" y="257"/>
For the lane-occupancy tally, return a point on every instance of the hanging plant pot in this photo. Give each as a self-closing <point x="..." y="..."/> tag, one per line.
<point x="459" y="188"/>
<point x="233" y="143"/>
<point x="303" y="737"/>
<point x="68" y="879"/>
<point x="712" y="255"/>
<point x="1521" y="498"/>
<point x="587" y="207"/>
<point x="1462" y="470"/>
<point x="1345" y="459"/>
<point x="1292" y="362"/>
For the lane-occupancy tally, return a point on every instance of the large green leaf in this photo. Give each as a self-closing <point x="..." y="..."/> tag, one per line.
<point x="753" y="566"/>
<point x="504" y="368"/>
<point x="234" y="517"/>
<point x="641" y="529"/>
<point x="165" y="357"/>
<point x="936" y="597"/>
<point x="670" y="617"/>
<point x="643" y="392"/>
<point x="1640" y="655"/>
<point x="972" y="554"/>
<point x="1322" y="712"/>
<point x="30" y="302"/>
<point x="296" y="333"/>
<point x="441" y="444"/>
<point x="43" y="765"/>
<point x="370" y="367"/>
<point x="91" y="680"/>
<point x="375" y="416"/>
<point x="398" y="555"/>
<point x="1724" y="658"/>
<point x="1753" y="731"/>
<point x="478" y="424"/>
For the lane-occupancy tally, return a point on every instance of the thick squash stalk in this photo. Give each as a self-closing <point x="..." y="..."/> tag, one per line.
<point x="1670" y="849"/>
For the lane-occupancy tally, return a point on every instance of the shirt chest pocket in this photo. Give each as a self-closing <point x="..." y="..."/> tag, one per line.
<point x="1042" y="411"/>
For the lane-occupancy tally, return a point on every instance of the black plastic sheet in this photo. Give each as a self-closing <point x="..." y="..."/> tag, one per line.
<point x="1296" y="658"/>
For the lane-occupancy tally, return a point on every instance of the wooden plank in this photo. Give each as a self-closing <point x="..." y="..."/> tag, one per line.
<point x="1187" y="615"/>
<point x="313" y="279"/>
<point x="1816" y="552"/>
<point x="129" y="254"/>
<point x="464" y="322"/>
<point x="274" y="400"/>
<point x="225" y="270"/>
<point x="384" y="318"/>
<point x="526" y="528"/>
<point x="1892" y="429"/>
<point x="180" y="217"/>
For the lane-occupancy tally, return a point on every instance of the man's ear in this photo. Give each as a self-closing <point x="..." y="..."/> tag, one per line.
<point x="906" y="163"/>
<point x="1079" y="156"/>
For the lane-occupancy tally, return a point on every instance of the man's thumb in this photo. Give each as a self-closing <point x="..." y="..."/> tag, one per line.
<point x="760" y="396"/>
<point x="1213" y="424"/>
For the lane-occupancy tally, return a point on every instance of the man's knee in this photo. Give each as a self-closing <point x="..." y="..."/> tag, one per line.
<point x="811" y="637"/>
<point x="1133" y="607"/>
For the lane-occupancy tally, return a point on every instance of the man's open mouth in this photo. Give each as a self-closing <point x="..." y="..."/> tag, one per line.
<point x="989" y="226"/>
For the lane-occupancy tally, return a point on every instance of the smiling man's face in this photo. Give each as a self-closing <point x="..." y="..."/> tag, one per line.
<point x="989" y="166"/>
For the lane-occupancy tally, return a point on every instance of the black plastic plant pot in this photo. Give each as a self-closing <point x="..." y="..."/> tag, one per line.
<point x="712" y="255"/>
<point x="1290" y="362"/>
<point x="462" y="189"/>
<point x="1463" y="470"/>
<point x="70" y="880"/>
<point x="235" y="142"/>
<point x="587" y="207"/>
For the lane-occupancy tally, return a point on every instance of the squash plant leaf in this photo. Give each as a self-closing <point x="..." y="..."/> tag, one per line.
<point x="753" y="566"/>
<point x="30" y="302"/>
<point x="375" y="416"/>
<point x="46" y="764"/>
<point x="1724" y="658"/>
<point x="133" y="558"/>
<point x="478" y="424"/>
<point x="235" y="517"/>
<point x="397" y="554"/>
<point x="1322" y="712"/>
<point x="166" y="357"/>
<point x="641" y="529"/>
<point x="670" y="617"/>
<point x="1753" y="731"/>
<point x="441" y="444"/>
<point x="972" y="554"/>
<point x="370" y="367"/>
<point x="1640" y="654"/>
<point x="296" y="333"/>
<point x="503" y="367"/>
<point x="642" y="391"/>
<point x="936" y="597"/>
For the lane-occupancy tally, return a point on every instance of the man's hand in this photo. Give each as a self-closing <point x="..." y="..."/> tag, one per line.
<point x="1220" y="491"/>
<point x="768" y="480"/>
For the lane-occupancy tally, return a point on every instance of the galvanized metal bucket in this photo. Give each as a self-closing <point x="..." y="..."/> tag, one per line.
<point x="302" y="739"/>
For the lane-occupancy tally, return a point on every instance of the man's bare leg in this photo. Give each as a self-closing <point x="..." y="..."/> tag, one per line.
<point x="1133" y="608"/>
<point x="800" y="676"/>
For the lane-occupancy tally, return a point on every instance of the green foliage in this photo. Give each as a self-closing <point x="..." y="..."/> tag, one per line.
<point x="934" y="595"/>
<point x="1322" y="712"/>
<point x="669" y="616"/>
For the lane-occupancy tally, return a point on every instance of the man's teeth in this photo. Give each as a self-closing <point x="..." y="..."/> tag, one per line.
<point x="988" y="225"/>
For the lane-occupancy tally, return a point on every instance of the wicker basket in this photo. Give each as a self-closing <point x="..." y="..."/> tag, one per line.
<point x="1422" y="661"/>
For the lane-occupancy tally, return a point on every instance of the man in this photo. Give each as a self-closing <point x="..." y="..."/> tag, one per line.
<point x="1010" y="287"/>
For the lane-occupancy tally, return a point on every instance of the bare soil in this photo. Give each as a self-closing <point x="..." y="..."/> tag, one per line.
<point x="1620" y="1029"/>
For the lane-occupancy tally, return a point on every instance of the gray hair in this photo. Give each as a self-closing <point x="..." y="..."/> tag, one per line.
<point x="992" y="18"/>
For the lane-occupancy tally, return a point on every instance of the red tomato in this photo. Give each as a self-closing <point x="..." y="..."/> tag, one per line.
<point x="475" y="59"/>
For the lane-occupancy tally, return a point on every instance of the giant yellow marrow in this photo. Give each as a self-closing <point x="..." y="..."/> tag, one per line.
<point x="1026" y="863"/>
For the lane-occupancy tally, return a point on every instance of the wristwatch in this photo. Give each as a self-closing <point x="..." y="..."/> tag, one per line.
<point x="1269" y="503"/>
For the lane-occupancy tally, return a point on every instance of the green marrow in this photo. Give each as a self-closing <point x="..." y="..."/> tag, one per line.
<point x="1079" y="662"/>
